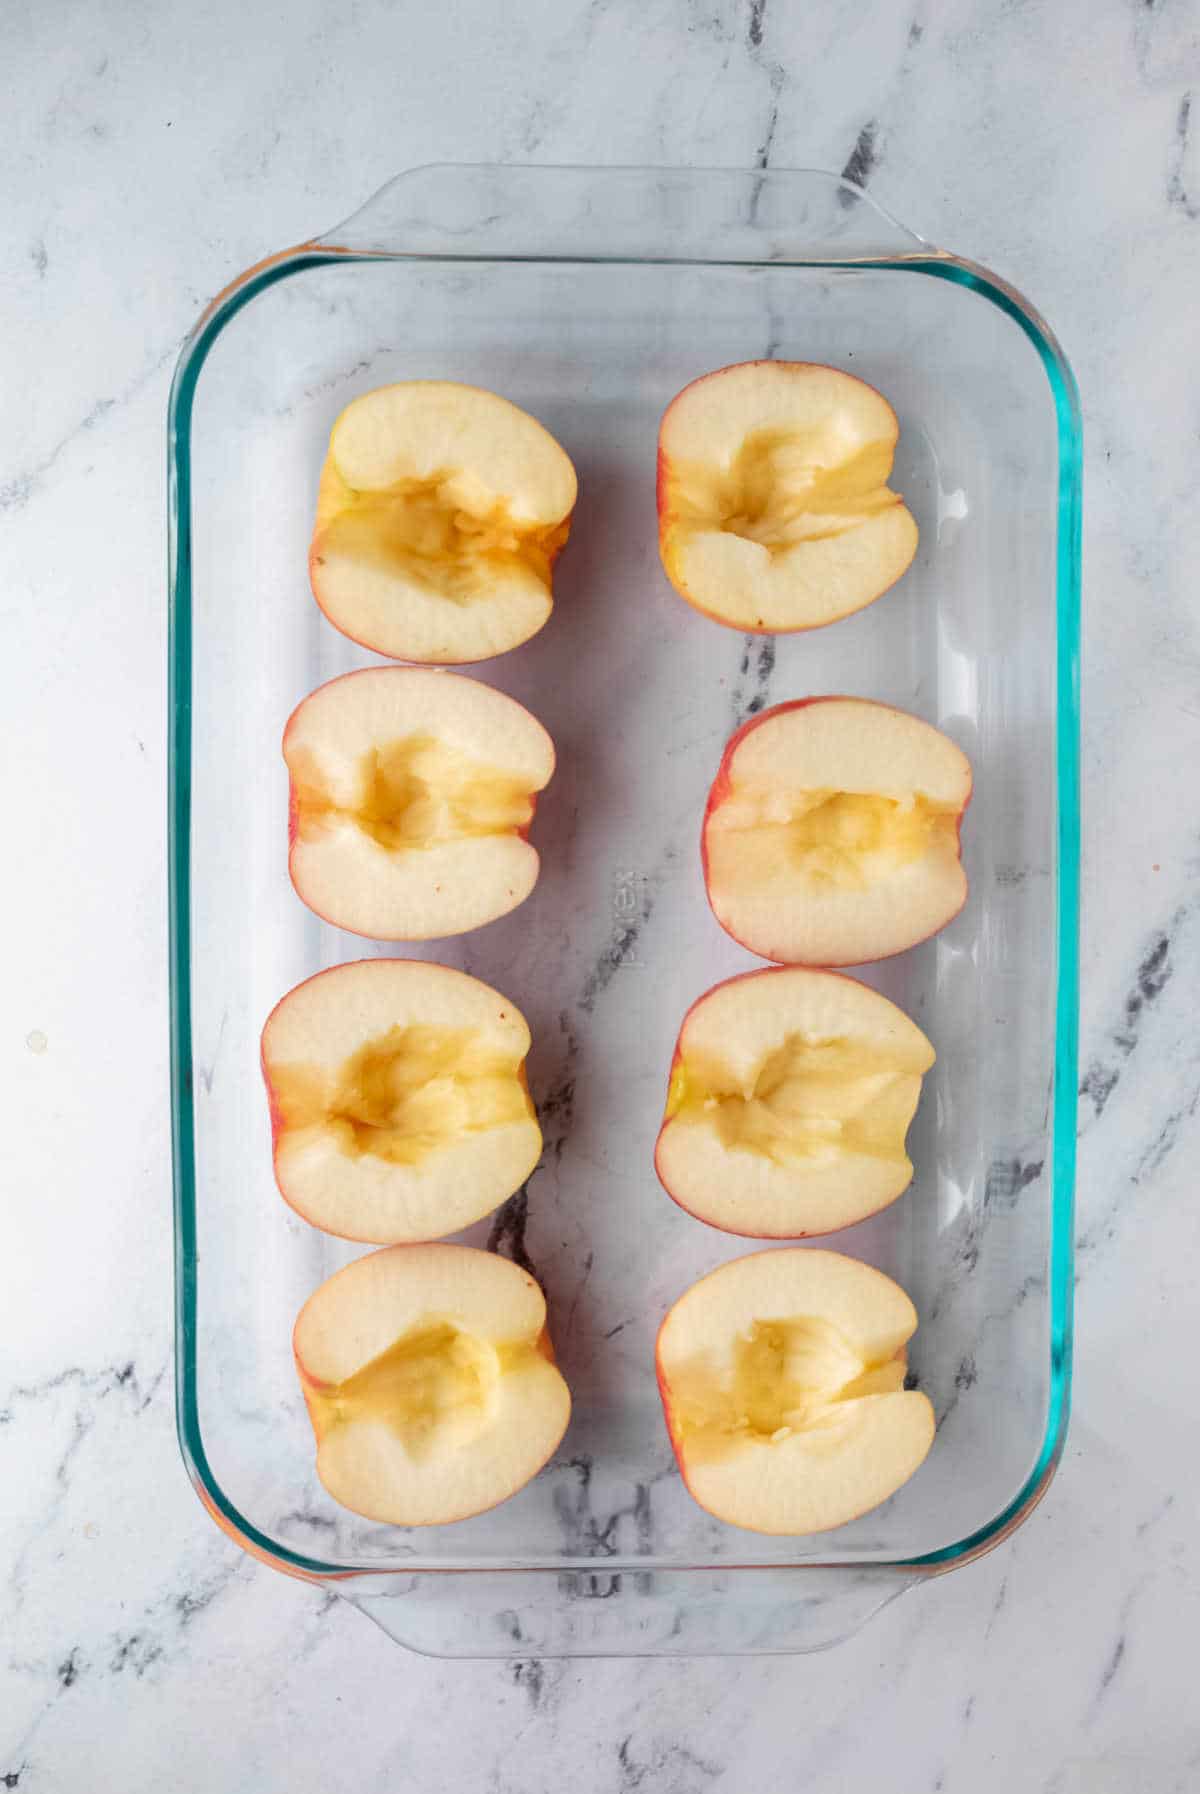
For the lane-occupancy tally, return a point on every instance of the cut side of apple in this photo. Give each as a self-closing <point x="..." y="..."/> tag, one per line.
<point x="831" y="835"/>
<point x="411" y="796"/>
<point x="774" y="509"/>
<point x="399" y="1106"/>
<point x="790" y="1097"/>
<point x="782" y="1379"/>
<point x="440" y="513"/>
<point x="430" y="1383"/>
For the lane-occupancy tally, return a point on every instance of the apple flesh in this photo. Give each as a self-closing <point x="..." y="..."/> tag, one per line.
<point x="773" y="504"/>
<point x="440" y="513"/>
<point x="411" y="796"/>
<point x="430" y="1382"/>
<point x="782" y="1380"/>
<point x="790" y="1097"/>
<point x="399" y="1106"/>
<point x="831" y="834"/>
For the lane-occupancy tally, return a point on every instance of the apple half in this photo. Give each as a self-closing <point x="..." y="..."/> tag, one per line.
<point x="773" y="504"/>
<point x="399" y="1105"/>
<point x="412" y="792"/>
<point x="782" y="1380"/>
<point x="430" y="1382"/>
<point x="790" y="1096"/>
<point x="831" y="834"/>
<point x="440" y="513"/>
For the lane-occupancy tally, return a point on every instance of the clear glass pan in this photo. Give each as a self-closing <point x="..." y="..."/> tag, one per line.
<point x="590" y="297"/>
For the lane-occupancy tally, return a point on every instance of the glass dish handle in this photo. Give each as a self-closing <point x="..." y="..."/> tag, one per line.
<point x="625" y="1613"/>
<point x="453" y="211"/>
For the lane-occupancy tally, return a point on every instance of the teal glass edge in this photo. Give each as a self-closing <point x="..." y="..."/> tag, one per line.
<point x="1067" y="578"/>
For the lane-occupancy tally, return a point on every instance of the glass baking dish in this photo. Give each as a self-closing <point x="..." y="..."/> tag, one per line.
<point x="590" y="297"/>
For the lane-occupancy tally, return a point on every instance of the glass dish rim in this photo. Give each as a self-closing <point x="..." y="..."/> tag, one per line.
<point x="921" y="259"/>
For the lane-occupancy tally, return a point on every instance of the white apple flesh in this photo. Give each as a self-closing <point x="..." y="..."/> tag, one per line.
<point x="790" y="1095"/>
<point x="782" y="1378"/>
<point x="399" y="1106"/>
<point x="441" y="511"/>
<point x="412" y="792"/>
<point x="430" y="1383"/>
<point x="831" y="835"/>
<point x="774" y="508"/>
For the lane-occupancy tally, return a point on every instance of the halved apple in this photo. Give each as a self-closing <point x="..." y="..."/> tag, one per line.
<point x="399" y="1106"/>
<point x="790" y="1096"/>
<point x="430" y="1383"/>
<point x="412" y="792"/>
<point x="782" y="1379"/>
<point x="774" y="509"/>
<point x="831" y="835"/>
<point x="440" y="514"/>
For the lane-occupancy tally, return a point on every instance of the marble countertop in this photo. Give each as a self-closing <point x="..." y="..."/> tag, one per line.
<point x="151" y="153"/>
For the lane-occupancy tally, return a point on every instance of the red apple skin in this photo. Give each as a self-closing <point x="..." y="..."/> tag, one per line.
<point x="277" y="1118"/>
<point x="660" y="492"/>
<point x="744" y="1233"/>
<point x="661" y="478"/>
<point x="669" y="1413"/>
<point x="294" y="806"/>
<point x="449" y="660"/>
<point x="273" y="1108"/>
<point x="664" y="1391"/>
<point x="720" y="790"/>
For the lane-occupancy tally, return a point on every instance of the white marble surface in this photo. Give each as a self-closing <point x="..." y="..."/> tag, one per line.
<point x="150" y="153"/>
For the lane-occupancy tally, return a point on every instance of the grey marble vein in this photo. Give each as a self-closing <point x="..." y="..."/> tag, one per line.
<point x="751" y="690"/>
<point x="1150" y="981"/>
<point x="1181" y="194"/>
<point x="861" y="163"/>
<point x="18" y="488"/>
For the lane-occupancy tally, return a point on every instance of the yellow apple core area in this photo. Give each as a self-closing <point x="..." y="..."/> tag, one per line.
<point x="435" y="1386"/>
<point x="779" y="1377"/>
<point x="784" y="487"/>
<point x="449" y="534"/>
<point x="406" y="1093"/>
<point x="840" y="839"/>
<point x="416" y="792"/>
<point x="808" y="1102"/>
